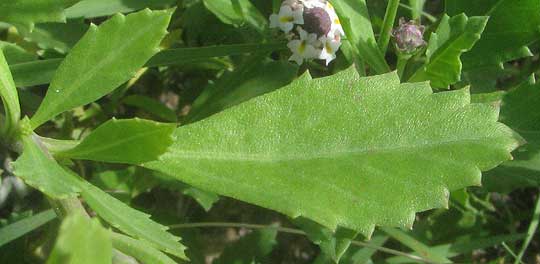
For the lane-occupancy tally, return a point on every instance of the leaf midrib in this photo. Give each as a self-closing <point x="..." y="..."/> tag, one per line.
<point x="197" y="155"/>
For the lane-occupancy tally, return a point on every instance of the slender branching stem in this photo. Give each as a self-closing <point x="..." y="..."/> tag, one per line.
<point x="388" y="24"/>
<point x="295" y="232"/>
<point x="531" y="231"/>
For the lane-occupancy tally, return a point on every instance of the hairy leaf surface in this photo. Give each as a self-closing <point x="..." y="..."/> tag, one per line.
<point x="453" y="37"/>
<point x="103" y="59"/>
<point x="82" y="241"/>
<point x="131" y="141"/>
<point x="131" y="221"/>
<point x="343" y="150"/>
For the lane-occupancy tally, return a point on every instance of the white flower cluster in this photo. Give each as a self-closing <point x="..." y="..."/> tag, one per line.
<point x="312" y="27"/>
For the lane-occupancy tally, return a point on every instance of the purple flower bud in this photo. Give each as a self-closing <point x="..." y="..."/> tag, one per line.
<point x="408" y="36"/>
<point x="317" y="20"/>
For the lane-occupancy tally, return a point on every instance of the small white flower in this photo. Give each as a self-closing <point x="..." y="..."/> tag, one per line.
<point x="337" y="29"/>
<point x="330" y="47"/>
<point x="303" y="48"/>
<point x="286" y="18"/>
<point x="313" y="3"/>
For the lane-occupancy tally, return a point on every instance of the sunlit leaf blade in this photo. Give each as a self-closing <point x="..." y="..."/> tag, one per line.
<point x="43" y="173"/>
<point x="343" y="150"/>
<point x="103" y="59"/>
<point x="139" y="249"/>
<point x="519" y="110"/>
<point x="28" y="12"/>
<point x="131" y="221"/>
<point x="22" y="227"/>
<point x="511" y="28"/>
<point x="356" y="23"/>
<point x="8" y="97"/>
<point x="453" y="37"/>
<point x="82" y="241"/>
<point x="131" y="141"/>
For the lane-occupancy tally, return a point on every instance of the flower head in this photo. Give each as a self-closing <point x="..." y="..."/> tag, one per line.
<point x="318" y="31"/>
<point x="408" y="36"/>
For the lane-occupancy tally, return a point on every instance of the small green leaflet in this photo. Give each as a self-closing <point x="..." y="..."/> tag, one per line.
<point x="237" y="12"/>
<point x="28" y="12"/>
<point x="43" y="173"/>
<point x="131" y="221"/>
<point x="453" y="37"/>
<point x="511" y="28"/>
<point x="103" y="59"/>
<point x="82" y="241"/>
<point x="343" y="150"/>
<point x="131" y="141"/>
<point x="9" y="98"/>
<point x="24" y="226"/>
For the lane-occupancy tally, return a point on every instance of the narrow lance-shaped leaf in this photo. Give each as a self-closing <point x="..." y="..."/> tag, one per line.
<point x="131" y="221"/>
<point x="354" y="16"/>
<point x="24" y="226"/>
<point x="103" y="59"/>
<point x="82" y="241"/>
<point x="9" y="96"/>
<point x="140" y="249"/>
<point x="132" y="141"/>
<point x="38" y="170"/>
<point x="453" y="37"/>
<point x="343" y="150"/>
<point x="28" y="12"/>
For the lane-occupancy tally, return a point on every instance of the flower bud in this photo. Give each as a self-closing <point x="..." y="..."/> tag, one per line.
<point x="408" y="36"/>
<point x="317" y="21"/>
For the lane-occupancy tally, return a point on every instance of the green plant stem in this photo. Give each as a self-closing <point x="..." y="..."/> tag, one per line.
<point x="428" y="16"/>
<point x="403" y="59"/>
<point x="388" y="24"/>
<point x="296" y="232"/>
<point x="62" y="207"/>
<point x="531" y="231"/>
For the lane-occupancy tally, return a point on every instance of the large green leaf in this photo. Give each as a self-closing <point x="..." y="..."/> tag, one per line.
<point x="102" y="60"/>
<point x="40" y="171"/>
<point x="28" y="12"/>
<point x="131" y="221"/>
<point x="453" y="37"/>
<point x="82" y="241"/>
<point x="356" y="23"/>
<point x="8" y="97"/>
<point x="343" y="150"/>
<point x="520" y="110"/>
<point x="132" y="141"/>
<point x="512" y="26"/>
<point x="98" y="8"/>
